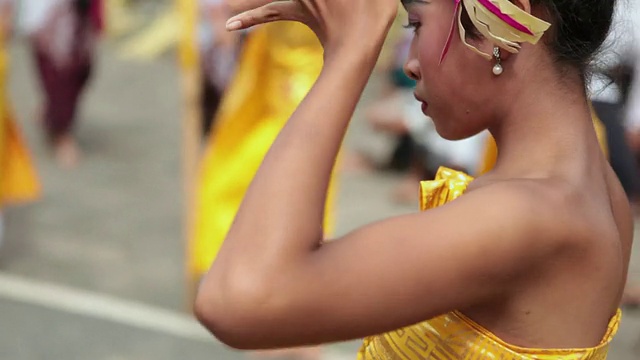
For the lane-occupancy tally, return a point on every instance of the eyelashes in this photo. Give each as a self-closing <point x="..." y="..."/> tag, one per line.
<point x="415" y="25"/>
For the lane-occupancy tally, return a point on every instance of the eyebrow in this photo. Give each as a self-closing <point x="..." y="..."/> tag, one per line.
<point x="409" y="2"/>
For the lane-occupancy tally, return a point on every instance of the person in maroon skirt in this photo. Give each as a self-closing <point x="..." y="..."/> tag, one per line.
<point x="63" y="46"/>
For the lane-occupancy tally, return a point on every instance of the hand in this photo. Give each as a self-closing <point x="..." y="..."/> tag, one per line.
<point x="336" y="22"/>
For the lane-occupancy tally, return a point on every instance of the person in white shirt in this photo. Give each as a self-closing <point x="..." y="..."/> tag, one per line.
<point x="632" y="113"/>
<point x="627" y="88"/>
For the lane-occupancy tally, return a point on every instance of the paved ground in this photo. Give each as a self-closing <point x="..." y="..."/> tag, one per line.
<point x="95" y="270"/>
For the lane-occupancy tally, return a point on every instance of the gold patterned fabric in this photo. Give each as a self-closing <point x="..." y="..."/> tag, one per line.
<point x="453" y="336"/>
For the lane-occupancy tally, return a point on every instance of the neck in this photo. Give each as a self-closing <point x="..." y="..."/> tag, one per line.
<point x="545" y="129"/>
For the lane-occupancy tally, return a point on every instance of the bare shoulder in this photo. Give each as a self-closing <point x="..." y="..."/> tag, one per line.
<point x="538" y="209"/>
<point x="556" y="214"/>
<point x="479" y="249"/>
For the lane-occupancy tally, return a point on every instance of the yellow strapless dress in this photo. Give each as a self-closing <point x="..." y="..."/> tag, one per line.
<point x="454" y="336"/>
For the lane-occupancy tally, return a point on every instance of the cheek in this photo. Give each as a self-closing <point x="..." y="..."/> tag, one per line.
<point x="454" y="101"/>
<point x="430" y="44"/>
<point x="428" y="54"/>
<point x="452" y="88"/>
<point x="439" y="81"/>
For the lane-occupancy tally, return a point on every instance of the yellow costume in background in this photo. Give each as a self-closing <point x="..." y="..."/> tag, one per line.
<point x="454" y="336"/>
<point x="18" y="180"/>
<point x="279" y="64"/>
<point x="490" y="154"/>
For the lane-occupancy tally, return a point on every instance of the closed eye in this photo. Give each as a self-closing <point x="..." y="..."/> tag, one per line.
<point x="415" y="25"/>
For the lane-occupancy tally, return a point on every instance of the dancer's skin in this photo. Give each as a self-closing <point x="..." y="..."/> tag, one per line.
<point x="537" y="250"/>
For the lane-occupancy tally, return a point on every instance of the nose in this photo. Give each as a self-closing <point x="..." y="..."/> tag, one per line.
<point x="412" y="65"/>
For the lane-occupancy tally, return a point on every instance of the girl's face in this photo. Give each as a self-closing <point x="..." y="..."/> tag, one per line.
<point x="460" y="94"/>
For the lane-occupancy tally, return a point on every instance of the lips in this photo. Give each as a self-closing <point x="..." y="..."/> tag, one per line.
<point x="425" y="105"/>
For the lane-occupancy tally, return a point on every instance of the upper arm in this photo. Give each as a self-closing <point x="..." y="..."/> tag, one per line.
<point x="401" y="271"/>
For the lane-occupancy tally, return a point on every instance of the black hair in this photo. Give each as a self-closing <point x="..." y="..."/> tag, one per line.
<point x="579" y="29"/>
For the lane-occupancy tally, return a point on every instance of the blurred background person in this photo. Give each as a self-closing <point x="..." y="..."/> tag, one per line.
<point x="218" y="49"/>
<point x="63" y="35"/>
<point x="609" y="89"/>
<point x="629" y="78"/>
<point x="616" y="90"/>
<point x="18" y="181"/>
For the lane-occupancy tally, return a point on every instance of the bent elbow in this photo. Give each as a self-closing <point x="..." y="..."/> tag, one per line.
<point x="221" y="321"/>
<point x="237" y="319"/>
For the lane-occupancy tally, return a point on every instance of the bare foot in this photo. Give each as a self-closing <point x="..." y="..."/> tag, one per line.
<point x="66" y="152"/>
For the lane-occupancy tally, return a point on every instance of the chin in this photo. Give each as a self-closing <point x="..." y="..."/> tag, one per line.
<point x="454" y="134"/>
<point x="453" y="131"/>
<point x="448" y="132"/>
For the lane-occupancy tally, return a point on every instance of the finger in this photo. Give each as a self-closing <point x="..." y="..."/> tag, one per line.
<point x="276" y="11"/>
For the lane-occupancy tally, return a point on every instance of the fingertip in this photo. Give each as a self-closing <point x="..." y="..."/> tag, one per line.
<point x="234" y="25"/>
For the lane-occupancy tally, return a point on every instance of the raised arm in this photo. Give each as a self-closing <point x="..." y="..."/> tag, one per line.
<point x="274" y="284"/>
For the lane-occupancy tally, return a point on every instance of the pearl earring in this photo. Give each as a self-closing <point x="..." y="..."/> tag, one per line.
<point x="497" y="68"/>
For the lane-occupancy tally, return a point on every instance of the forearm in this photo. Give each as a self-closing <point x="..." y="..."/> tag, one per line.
<point x="280" y="220"/>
